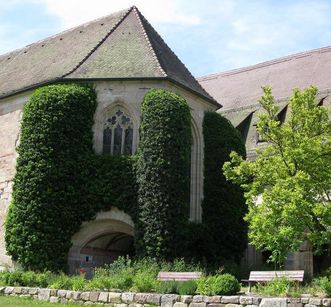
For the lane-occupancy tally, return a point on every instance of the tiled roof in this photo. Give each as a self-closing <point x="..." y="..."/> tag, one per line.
<point x="119" y="46"/>
<point x="242" y="87"/>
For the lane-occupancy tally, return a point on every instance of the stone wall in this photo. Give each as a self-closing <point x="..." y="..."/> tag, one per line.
<point x="10" y="115"/>
<point x="130" y="299"/>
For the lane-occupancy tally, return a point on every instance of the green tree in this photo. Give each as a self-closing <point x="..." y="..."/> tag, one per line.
<point x="287" y="187"/>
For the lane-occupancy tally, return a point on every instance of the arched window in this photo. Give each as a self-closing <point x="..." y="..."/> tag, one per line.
<point x="118" y="134"/>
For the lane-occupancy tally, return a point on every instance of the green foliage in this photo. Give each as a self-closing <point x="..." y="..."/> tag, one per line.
<point x="26" y="279"/>
<point x="63" y="281"/>
<point x="225" y="284"/>
<point x="291" y="177"/>
<point x="144" y="281"/>
<point x="177" y="287"/>
<point x="60" y="182"/>
<point x="167" y="287"/>
<point x="224" y="205"/>
<point x="323" y="284"/>
<point x="279" y="287"/>
<point x="163" y="174"/>
<point x="187" y="287"/>
<point x="113" y="184"/>
<point x="180" y="265"/>
<point x="51" y="173"/>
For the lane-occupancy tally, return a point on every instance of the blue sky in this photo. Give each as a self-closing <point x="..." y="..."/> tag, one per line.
<point x="208" y="36"/>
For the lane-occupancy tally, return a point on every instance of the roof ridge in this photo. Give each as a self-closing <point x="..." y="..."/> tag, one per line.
<point x="142" y="18"/>
<point x="138" y="15"/>
<point x="265" y="63"/>
<point x="125" y="13"/>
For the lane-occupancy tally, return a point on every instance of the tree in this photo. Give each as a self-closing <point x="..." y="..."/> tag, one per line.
<point x="287" y="188"/>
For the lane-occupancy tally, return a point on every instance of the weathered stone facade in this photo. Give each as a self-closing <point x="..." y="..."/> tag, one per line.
<point x="10" y="115"/>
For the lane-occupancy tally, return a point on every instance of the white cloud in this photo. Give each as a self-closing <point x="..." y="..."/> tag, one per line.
<point x="75" y="12"/>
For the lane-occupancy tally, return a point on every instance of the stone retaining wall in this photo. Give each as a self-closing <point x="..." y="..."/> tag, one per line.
<point x="129" y="299"/>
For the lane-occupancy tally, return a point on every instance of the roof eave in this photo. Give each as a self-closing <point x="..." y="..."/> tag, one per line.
<point x="66" y="79"/>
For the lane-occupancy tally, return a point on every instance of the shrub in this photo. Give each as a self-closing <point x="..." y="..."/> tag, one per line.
<point x="323" y="284"/>
<point x="278" y="287"/>
<point x="225" y="284"/>
<point x="187" y="287"/>
<point x="180" y="265"/>
<point x="223" y="205"/>
<point x="167" y="287"/>
<point x="61" y="282"/>
<point x="162" y="174"/>
<point x="25" y="278"/>
<point x="144" y="281"/>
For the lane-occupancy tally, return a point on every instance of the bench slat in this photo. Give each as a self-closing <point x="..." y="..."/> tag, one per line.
<point x="179" y="276"/>
<point x="269" y="275"/>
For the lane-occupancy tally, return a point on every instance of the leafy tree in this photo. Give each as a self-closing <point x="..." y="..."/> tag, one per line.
<point x="287" y="188"/>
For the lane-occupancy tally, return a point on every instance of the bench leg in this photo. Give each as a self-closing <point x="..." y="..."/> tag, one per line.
<point x="249" y="286"/>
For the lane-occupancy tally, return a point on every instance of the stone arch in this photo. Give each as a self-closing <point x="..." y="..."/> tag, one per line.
<point x="196" y="184"/>
<point x="91" y="245"/>
<point x="101" y="116"/>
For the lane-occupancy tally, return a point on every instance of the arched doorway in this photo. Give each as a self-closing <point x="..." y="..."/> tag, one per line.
<point x="101" y="241"/>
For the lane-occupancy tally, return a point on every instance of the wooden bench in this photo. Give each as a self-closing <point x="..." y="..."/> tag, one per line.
<point x="178" y="276"/>
<point x="264" y="276"/>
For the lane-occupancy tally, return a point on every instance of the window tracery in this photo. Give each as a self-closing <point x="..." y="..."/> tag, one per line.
<point x="118" y="134"/>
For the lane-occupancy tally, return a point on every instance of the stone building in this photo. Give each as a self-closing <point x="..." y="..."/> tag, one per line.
<point x="239" y="91"/>
<point x="123" y="57"/>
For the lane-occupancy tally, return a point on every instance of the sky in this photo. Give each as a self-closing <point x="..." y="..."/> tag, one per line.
<point x="209" y="36"/>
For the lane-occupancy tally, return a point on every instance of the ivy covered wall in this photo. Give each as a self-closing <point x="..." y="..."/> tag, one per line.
<point x="224" y="204"/>
<point x="163" y="174"/>
<point x="60" y="182"/>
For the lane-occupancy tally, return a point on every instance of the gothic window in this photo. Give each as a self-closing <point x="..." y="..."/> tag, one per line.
<point x="118" y="134"/>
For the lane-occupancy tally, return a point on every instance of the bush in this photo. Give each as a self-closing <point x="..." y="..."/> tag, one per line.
<point x="25" y="278"/>
<point x="278" y="287"/>
<point x="144" y="281"/>
<point x="167" y="287"/>
<point x="225" y="284"/>
<point x="223" y="207"/>
<point x="187" y="287"/>
<point x="180" y="265"/>
<point x="162" y="174"/>
<point x="323" y="284"/>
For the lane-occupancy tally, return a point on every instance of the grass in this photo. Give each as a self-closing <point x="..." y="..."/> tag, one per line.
<point x="14" y="301"/>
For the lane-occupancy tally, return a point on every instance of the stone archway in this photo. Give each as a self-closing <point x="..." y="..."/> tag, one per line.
<point x="101" y="241"/>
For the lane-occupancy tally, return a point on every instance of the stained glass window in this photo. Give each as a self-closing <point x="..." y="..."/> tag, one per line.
<point x="118" y="134"/>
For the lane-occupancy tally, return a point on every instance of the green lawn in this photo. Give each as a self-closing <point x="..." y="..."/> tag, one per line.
<point x="14" y="301"/>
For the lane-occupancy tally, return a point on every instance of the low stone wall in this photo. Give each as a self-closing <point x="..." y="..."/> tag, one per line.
<point x="129" y="299"/>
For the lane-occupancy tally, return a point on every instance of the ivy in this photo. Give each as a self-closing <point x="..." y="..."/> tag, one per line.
<point x="163" y="174"/>
<point x="59" y="181"/>
<point x="224" y="205"/>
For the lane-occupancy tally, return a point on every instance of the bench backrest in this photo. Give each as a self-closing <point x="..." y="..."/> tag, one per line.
<point x="269" y="275"/>
<point x="178" y="276"/>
